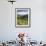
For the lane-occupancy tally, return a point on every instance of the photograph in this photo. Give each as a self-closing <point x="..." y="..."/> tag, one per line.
<point x="22" y="17"/>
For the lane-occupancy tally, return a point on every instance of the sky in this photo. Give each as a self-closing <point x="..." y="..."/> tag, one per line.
<point x="22" y="12"/>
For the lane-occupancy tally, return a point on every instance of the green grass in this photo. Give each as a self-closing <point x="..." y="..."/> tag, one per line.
<point x="22" y="21"/>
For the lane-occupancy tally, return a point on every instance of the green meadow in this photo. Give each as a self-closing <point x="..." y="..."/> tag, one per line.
<point x="22" y="19"/>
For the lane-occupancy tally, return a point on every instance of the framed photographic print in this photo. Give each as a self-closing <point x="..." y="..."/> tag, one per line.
<point x="22" y="17"/>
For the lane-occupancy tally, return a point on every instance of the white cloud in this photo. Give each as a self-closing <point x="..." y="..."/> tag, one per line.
<point x="22" y="13"/>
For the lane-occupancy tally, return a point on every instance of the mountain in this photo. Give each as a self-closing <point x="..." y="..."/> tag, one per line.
<point x="23" y="16"/>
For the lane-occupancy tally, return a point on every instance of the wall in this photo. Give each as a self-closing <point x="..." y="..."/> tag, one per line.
<point x="8" y="31"/>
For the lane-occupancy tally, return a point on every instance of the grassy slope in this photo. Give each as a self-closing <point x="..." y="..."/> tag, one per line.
<point x="22" y="20"/>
